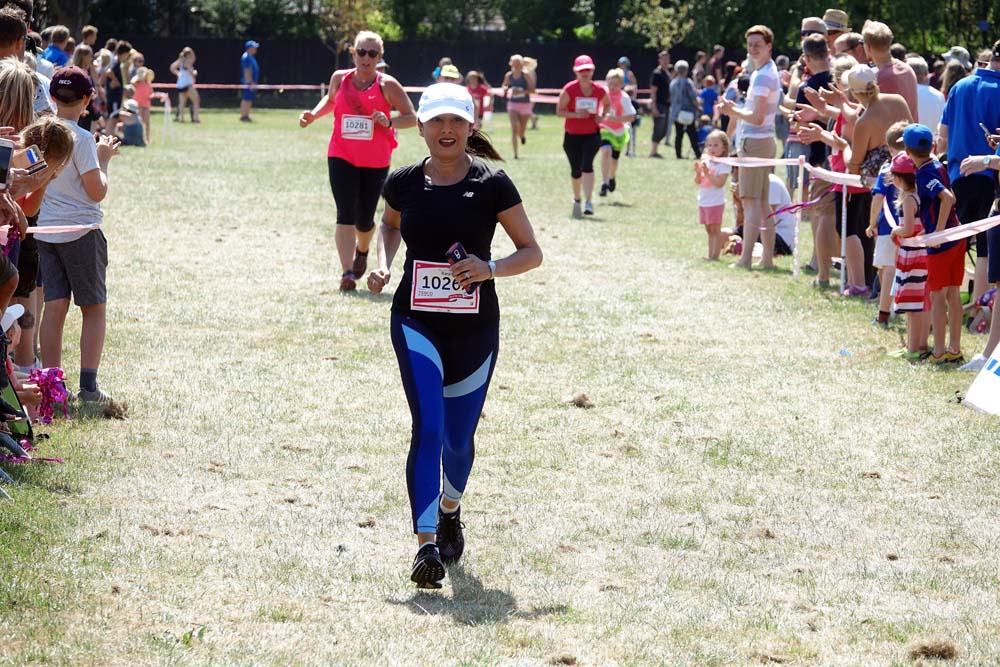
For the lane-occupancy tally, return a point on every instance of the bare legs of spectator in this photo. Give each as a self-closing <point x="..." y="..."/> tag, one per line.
<point x="195" y="105"/>
<point x="755" y="223"/>
<point x="91" y="335"/>
<point x="981" y="280"/>
<point x="182" y="100"/>
<point x="855" y="261"/>
<point x="827" y="241"/>
<point x="946" y="316"/>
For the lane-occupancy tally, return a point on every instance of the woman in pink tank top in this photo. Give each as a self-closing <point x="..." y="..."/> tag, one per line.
<point x="361" y="100"/>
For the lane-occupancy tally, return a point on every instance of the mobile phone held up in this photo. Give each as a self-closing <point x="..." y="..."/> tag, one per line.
<point x="456" y="253"/>
<point x="30" y="159"/>
<point x="6" y="155"/>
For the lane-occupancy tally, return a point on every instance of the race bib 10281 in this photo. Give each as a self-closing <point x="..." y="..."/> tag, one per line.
<point x="360" y="128"/>
<point x="435" y="290"/>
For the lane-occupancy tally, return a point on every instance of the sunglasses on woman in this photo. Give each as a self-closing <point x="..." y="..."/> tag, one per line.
<point x="371" y="53"/>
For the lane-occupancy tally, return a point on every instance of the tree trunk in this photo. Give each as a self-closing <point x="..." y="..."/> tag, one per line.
<point x="74" y="14"/>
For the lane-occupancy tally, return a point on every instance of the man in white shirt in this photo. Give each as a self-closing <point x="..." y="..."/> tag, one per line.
<point x="930" y="101"/>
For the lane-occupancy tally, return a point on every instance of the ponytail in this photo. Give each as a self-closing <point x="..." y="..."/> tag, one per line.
<point x="479" y="145"/>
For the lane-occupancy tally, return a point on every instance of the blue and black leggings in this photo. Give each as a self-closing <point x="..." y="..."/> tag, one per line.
<point x="445" y="376"/>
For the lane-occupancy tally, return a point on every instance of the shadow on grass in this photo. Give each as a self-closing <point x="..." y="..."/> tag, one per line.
<point x="472" y="603"/>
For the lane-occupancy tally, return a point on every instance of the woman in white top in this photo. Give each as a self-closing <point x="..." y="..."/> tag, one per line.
<point x="183" y="69"/>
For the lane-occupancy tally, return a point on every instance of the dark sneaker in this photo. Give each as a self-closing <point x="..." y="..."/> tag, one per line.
<point x="523" y="141"/>
<point x="428" y="570"/>
<point x="97" y="396"/>
<point x="451" y="542"/>
<point x="360" y="263"/>
<point x="347" y="282"/>
<point x="612" y="185"/>
<point x="604" y="189"/>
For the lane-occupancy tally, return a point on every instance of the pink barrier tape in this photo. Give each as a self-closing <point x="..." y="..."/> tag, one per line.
<point x="850" y="180"/>
<point x="51" y="229"/>
<point x="795" y="208"/>
<point x="755" y="161"/>
<point x="952" y="233"/>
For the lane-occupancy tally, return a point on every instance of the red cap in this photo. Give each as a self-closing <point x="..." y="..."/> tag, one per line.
<point x="70" y="84"/>
<point x="582" y="63"/>
<point x="903" y="164"/>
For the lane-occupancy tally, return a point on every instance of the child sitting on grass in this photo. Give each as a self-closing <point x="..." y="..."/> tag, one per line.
<point x="129" y="128"/>
<point x="880" y="227"/>
<point x="911" y="263"/>
<point x="711" y="180"/>
<point x="946" y="262"/>
<point x="75" y="263"/>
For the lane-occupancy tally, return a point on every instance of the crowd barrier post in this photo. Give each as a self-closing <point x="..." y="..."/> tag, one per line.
<point x="801" y="216"/>
<point x="843" y="238"/>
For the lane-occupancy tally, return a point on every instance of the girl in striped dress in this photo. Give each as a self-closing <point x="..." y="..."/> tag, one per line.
<point x="911" y="263"/>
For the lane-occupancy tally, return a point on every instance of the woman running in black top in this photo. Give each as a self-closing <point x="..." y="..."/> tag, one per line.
<point x="445" y="336"/>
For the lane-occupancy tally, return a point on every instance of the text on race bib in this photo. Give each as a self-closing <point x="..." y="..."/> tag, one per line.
<point x="435" y="290"/>
<point x="586" y="104"/>
<point x="360" y="128"/>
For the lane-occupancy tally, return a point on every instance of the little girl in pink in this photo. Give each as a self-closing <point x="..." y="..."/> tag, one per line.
<point x="711" y="180"/>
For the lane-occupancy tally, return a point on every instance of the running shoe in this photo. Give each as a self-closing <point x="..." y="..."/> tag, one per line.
<point x="588" y="208"/>
<point x="975" y="364"/>
<point x="881" y="325"/>
<point x="577" y="211"/>
<point x="451" y="542"/>
<point x="347" y="282"/>
<point x="360" y="263"/>
<point x="428" y="570"/>
<point x="523" y="141"/>
<point x="604" y="189"/>
<point x="612" y="185"/>
<point x="947" y="358"/>
<point x="96" y="396"/>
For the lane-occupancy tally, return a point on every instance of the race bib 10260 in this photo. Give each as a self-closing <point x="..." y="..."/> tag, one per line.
<point x="586" y="104"/>
<point x="359" y="128"/>
<point x="435" y="290"/>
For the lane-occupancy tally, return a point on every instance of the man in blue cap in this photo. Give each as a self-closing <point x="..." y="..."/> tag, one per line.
<point x="249" y="72"/>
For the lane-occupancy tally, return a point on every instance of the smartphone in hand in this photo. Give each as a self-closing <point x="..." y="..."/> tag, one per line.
<point x="456" y="253"/>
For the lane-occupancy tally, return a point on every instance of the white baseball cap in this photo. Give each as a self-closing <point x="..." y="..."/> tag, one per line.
<point x="12" y="313"/>
<point x="442" y="98"/>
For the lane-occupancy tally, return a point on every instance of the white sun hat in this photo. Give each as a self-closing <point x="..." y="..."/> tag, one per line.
<point x="12" y="313"/>
<point x="442" y="98"/>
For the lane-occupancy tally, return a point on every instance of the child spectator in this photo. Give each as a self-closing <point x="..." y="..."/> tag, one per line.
<point x="55" y="52"/>
<point x="911" y="263"/>
<point x="709" y="96"/>
<point x="29" y="395"/>
<point x="74" y="263"/>
<point x="55" y="141"/>
<point x="704" y="129"/>
<point x="142" y="83"/>
<point x="711" y="180"/>
<point x="946" y="262"/>
<point x="130" y="127"/>
<point x="880" y="227"/>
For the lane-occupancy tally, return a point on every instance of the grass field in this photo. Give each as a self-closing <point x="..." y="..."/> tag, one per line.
<point x="755" y="482"/>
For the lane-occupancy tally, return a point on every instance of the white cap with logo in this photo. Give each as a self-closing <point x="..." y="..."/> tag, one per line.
<point x="442" y="98"/>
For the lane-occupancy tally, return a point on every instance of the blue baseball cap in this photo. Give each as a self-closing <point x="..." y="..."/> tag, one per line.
<point x="251" y="44"/>
<point x="918" y="136"/>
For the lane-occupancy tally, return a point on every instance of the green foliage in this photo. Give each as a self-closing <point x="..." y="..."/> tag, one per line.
<point x="662" y="25"/>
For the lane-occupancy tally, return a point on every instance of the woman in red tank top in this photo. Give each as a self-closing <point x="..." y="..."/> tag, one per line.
<point x="583" y="104"/>
<point x="364" y="136"/>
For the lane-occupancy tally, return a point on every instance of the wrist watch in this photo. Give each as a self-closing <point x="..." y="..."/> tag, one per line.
<point x="493" y="269"/>
<point x="986" y="160"/>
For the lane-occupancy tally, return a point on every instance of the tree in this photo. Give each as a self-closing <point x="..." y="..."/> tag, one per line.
<point x="74" y="14"/>
<point x="661" y="25"/>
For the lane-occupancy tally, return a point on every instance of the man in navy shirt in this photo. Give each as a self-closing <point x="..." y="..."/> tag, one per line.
<point x="249" y="72"/>
<point x="973" y="100"/>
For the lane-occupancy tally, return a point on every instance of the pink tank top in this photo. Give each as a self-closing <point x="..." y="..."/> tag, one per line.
<point x="357" y="138"/>
<point x="143" y="94"/>
<point x="592" y="102"/>
<point x="617" y="109"/>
